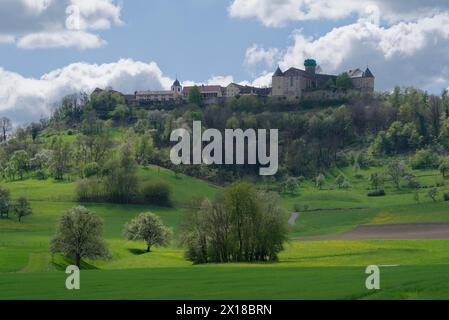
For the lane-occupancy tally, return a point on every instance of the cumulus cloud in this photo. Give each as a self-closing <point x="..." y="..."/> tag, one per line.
<point x="261" y="81"/>
<point x="57" y="23"/>
<point x="215" y="80"/>
<point x="27" y="99"/>
<point x="257" y="54"/>
<point x="64" y="39"/>
<point x="408" y="53"/>
<point x="276" y="13"/>
<point x="405" y="53"/>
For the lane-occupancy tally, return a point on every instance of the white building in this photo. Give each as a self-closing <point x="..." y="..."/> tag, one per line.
<point x="162" y="95"/>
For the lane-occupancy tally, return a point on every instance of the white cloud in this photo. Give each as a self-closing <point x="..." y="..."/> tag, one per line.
<point x="406" y="53"/>
<point x="276" y="13"/>
<point x="256" y="55"/>
<point x="27" y="99"/>
<point x="57" y="23"/>
<point x="262" y="81"/>
<point x="220" y="80"/>
<point x="65" y="39"/>
<point x="6" y="38"/>
<point x="223" y="81"/>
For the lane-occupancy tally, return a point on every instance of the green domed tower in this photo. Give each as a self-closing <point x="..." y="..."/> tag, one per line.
<point x="310" y="65"/>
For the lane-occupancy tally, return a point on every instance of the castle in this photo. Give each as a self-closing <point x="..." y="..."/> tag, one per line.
<point x="291" y="84"/>
<point x="296" y="83"/>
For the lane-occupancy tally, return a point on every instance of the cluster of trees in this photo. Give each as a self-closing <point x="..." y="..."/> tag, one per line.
<point x="118" y="182"/>
<point x="20" y="208"/>
<point x="241" y="224"/>
<point x="397" y="172"/>
<point x="79" y="234"/>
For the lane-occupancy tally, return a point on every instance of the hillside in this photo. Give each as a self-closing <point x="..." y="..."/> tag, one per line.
<point x="335" y="184"/>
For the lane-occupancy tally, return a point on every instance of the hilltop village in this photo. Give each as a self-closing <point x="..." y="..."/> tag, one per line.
<point x="291" y="84"/>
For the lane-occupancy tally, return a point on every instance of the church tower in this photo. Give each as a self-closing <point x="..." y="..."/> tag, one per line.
<point x="176" y="87"/>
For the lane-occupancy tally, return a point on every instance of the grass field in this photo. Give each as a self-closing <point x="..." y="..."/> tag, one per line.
<point x="414" y="282"/>
<point x="306" y="270"/>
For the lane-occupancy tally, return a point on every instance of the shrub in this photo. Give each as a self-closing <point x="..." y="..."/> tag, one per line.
<point x="91" y="190"/>
<point x="364" y="160"/>
<point x="433" y="194"/>
<point x="297" y="207"/>
<point x="157" y="193"/>
<point x="91" y="169"/>
<point x="425" y="159"/>
<point x="413" y="182"/>
<point x="444" y="167"/>
<point x="319" y="181"/>
<point x="446" y="196"/>
<point x="378" y="193"/>
<point x="440" y="183"/>
<point x="41" y="175"/>
<point x="343" y="160"/>
<point x="340" y="181"/>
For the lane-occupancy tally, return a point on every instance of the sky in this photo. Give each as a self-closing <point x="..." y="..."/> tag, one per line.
<point x="50" y="48"/>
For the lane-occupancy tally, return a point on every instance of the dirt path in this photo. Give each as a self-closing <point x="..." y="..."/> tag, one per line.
<point x="293" y="217"/>
<point x="391" y="232"/>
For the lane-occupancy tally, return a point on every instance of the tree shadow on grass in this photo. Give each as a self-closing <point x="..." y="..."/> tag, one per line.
<point x="61" y="263"/>
<point x="137" y="252"/>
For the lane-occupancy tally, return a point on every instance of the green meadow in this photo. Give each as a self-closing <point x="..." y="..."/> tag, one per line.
<point x="410" y="269"/>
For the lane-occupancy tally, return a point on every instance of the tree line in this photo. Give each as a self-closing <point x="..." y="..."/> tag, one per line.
<point x="81" y="136"/>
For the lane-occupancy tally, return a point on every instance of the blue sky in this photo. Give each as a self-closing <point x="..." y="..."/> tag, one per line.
<point x="196" y="39"/>
<point x="45" y="53"/>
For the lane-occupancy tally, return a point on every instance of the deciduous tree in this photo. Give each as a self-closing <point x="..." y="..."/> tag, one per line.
<point x="149" y="228"/>
<point x="79" y="235"/>
<point x="22" y="208"/>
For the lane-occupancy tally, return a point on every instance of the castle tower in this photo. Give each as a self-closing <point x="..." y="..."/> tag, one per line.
<point x="310" y="66"/>
<point x="278" y="83"/>
<point x="368" y="80"/>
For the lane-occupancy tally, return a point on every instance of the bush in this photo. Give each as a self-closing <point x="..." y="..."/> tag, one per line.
<point x="91" y="190"/>
<point x="433" y="194"/>
<point x="446" y="196"/>
<point x="378" y="193"/>
<point x="41" y="175"/>
<point x="343" y="160"/>
<point x="425" y="159"/>
<point x="91" y="169"/>
<point x="157" y="193"/>
<point x="413" y="182"/>
<point x="297" y="207"/>
<point x="440" y="183"/>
